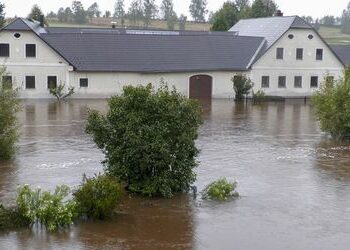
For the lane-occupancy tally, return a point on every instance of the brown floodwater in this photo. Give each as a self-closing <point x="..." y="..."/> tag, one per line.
<point x="294" y="182"/>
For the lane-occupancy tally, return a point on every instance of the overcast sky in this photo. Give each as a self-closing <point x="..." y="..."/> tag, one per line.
<point x="315" y="8"/>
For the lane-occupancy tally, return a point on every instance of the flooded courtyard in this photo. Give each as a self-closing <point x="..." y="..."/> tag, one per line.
<point x="294" y="182"/>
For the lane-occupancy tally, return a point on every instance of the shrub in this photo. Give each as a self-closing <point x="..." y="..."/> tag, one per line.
<point x="59" y="92"/>
<point x="259" y="96"/>
<point x="52" y="210"/>
<point x="332" y="106"/>
<point x="220" y="190"/>
<point x="241" y="85"/>
<point x="9" y="128"/>
<point x="97" y="197"/>
<point x="11" y="219"/>
<point x="148" y="138"/>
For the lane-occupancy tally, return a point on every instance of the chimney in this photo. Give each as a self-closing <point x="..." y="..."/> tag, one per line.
<point x="42" y="20"/>
<point x="279" y="13"/>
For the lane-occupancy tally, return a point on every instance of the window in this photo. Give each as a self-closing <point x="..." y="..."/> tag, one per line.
<point x="319" y="54"/>
<point x="4" y="50"/>
<point x="298" y="82"/>
<point x="290" y="36"/>
<point x="30" y="82"/>
<point x="281" y="81"/>
<point x="7" y="82"/>
<point x="51" y="82"/>
<point x="265" y="81"/>
<point x="310" y="36"/>
<point x="314" y="82"/>
<point x="299" y="55"/>
<point x="84" y="82"/>
<point x="279" y="53"/>
<point x="30" y="50"/>
<point x="17" y="35"/>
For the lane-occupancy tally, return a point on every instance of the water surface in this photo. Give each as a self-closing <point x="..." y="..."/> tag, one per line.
<point x="294" y="182"/>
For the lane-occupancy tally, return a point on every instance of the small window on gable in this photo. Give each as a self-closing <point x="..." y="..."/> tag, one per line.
<point x="281" y="81"/>
<point x="310" y="36"/>
<point x="314" y="82"/>
<point x="298" y="82"/>
<point x="17" y="35"/>
<point x="299" y="54"/>
<point x="30" y="50"/>
<point x="7" y="82"/>
<point x="51" y="82"/>
<point x="290" y="36"/>
<point x="4" y="50"/>
<point x="279" y="53"/>
<point x="265" y="81"/>
<point x="319" y="54"/>
<point x="30" y="82"/>
<point x="84" y="82"/>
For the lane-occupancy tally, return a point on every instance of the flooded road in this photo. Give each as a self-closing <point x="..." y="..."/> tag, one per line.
<point x="294" y="182"/>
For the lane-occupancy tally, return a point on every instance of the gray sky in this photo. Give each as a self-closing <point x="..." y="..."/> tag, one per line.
<point x="315" y="8"/>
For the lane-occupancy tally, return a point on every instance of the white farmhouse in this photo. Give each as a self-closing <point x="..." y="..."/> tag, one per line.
<point x="284" y="56"/>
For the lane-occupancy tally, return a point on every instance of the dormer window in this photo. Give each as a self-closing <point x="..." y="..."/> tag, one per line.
<point x="279" y="53"/>
<point x="4" y="50"/>
<point x="30" y="50"/>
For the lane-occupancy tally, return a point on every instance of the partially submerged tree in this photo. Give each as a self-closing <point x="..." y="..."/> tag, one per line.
<point x="332" y="106"/>
<point x="242" y="86"/>
<point x="9" y="127"/>
<point x="61" y="93"/>
<point x="148" y="137"/>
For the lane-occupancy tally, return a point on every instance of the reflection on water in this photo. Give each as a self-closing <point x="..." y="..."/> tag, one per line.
<point x="294" y="182"/>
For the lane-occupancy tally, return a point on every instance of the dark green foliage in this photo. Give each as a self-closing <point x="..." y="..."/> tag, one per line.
<point x="2" y="15"/>
<point x="225" y="18"/>
<point x="148" y="138"/>
<point x="242" y="86"/>
<point x="79" y="14"/>
<point x="149" y="11"/>
<point x="263" y="8"/>
<point x="198" y="10"/>
<point x="259" y="96"/>
<point x="9" y="127"/>
<point x="220" y="190"/>
<point x="35" y="13"/>
<point x="11" y="219"/>
<point x="332" y="106"/>
<point x="52" y="210"/>
<point x="97" y="197"/>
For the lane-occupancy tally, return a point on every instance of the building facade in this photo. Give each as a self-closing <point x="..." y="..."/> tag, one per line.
<point x="283" y="56"/>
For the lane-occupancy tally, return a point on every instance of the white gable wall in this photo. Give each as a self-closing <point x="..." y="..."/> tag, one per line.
<point x="46" y="63"/>
<point x="268" y="65"/>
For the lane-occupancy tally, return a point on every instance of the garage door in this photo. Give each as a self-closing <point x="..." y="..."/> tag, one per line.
<point x="201" y="87"/>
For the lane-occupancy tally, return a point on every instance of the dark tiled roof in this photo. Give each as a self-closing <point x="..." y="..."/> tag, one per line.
<point x="343" y="53"/>
<point x="106" y="51"/>
<point x="25" y="24"/>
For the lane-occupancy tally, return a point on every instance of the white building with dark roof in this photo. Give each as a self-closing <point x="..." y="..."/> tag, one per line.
<point x="284" y="56"/>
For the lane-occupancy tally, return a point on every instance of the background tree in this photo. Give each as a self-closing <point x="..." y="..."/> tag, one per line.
<point x="135" y="13"/>
<point x="243" y="8"/>
<point x="51" y="15"/>
<point x="242" y="86"/>
<point x="345" y="20"/>
<point x="149" y="11"/>
<point x="61" y="15"/>
<point x="2" y="15"/>
<point x="68" y="15"/>
<point x="328" y="20"/>
<point x="226" y="17"/>
<point x="168" y="13"/>
<point x="148" y="138"/>
<point x="308" y="19"/>
<point x="35" y="13"/>
<point x="79" y="13"/>
<point x="198" y="10"/>
<point x="9" y="127"/>
<point x="119" y="11"/>
<point x="182" y="22"/>
<point x="263" y="8"/>
<point x="107" y="14"/>
<point x="93" y="11"/>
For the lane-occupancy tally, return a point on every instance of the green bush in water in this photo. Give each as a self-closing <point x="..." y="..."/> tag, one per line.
<point x="148" y="137"/>
<point x="332" y="106"/>
<point x="11" y="219"/>
<point x="259" y="96"/>
<point x="220" y="190"/>
<point x="52" y="210"/>
<point x="97" y="197"/>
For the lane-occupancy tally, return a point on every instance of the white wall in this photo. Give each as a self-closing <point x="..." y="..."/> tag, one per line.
<point x="268" y="65"/>
<point x="46" y="63"/>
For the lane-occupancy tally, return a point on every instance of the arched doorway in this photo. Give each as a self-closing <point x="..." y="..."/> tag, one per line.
<point x="201" y="86"/>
